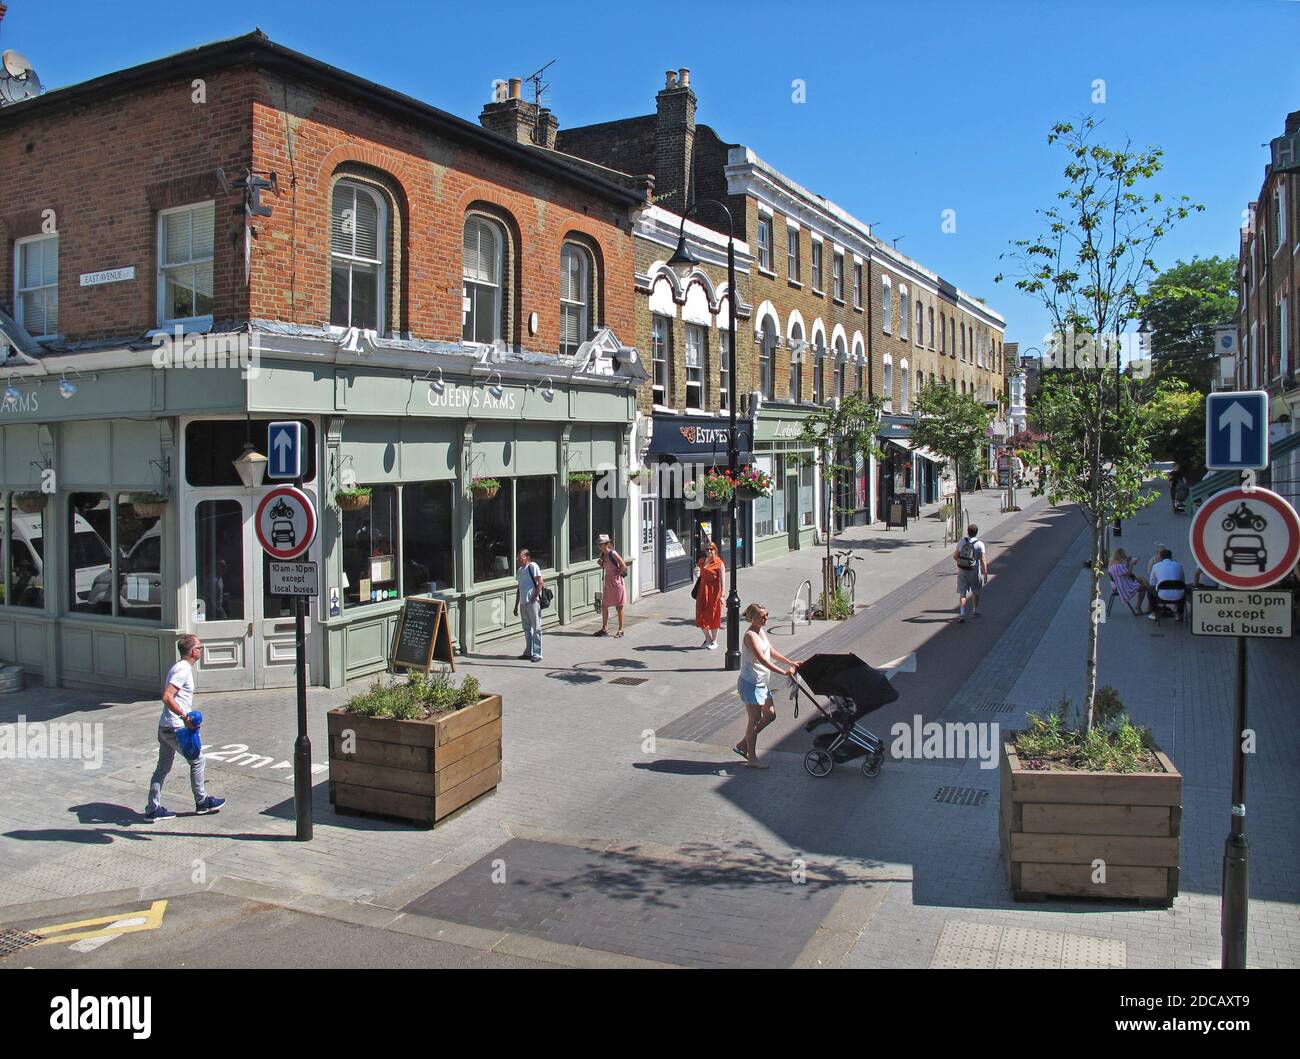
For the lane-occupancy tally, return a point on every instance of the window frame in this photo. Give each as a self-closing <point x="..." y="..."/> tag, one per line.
<point x="857" y="284"/>
<point x="886" y="305"/>
<point x="500" y="331"/>
<point x="764" y="242"/>
<point x="657" y="321"/>
<point x="815" y="266"/>
<point x="837" y="276"/>
<point x="792" y="255"/>
<point x="585" y="273"/>
<point x="20" y="290"/>
<point x="201" y="321"/>
<point x="702" y="334"/>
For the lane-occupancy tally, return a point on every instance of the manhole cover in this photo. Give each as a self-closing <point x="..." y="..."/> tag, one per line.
<point x="630" y="682"/>
<point x="12" y="941"/>
<point x="996" y="707"/>
<point x="961" y="796"/>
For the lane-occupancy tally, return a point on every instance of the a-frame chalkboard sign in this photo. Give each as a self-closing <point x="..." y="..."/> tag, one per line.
<point x="422" y="636"/>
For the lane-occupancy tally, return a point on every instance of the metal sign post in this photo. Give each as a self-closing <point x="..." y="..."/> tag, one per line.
<point x="302" y="745"/>
<point x="1236" y="870"/>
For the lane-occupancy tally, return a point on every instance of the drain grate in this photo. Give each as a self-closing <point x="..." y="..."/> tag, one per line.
<point x="12" y="941"/>
<point x="961" y="796"/>
<point x="630" y="682"/>
<point x="996" y="707"/>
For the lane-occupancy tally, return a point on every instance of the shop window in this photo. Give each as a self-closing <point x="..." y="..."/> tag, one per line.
<point x="807" y="498"/>
<point x="778" y="494"/>
<point x="185" y="239"/>
<point x="695" y="340"/>
<point x="22" y="534"/>
<point x="219" y="560"/>
<point x="763" y="525"/>
<point x="661" y="360"/>
<point x="370" y="538"/>
<point x="37" y="302"/>
<point x="212" y="446"/>
<point x="483" y="270"/>
<point x="494" y="554"/>
<point x="575" y="298"/>
<point x="90" y="559"/>
<point x="428" y="563"/>
<point x="724" y="369"/>
<point x="357" y="255"/>
<point x="533" y="511"/>
<point x="590" y="515"/>
<point x="139" y="562"/>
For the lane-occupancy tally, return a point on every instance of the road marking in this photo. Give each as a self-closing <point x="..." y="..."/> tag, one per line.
<point x="91" y="944"/>
<point x="904" y="664"/>
<point x="109" y="926"/>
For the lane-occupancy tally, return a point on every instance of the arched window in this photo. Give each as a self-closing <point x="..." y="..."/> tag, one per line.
<point x="920" y="381"/>
<point x="766" y="355"/>
<point x="952" y="336"/>
<point x="796" y="365"/>
<point x="904" y="311"/>
<point x="889" y="383"/>
<point x="943" y="333"/>
<point x="819" y="362"/>
<point x="963" y="341"/>
<point x="930" y="310"/>
<point x="358" y="227"/>
<point x="575" y="297"/>
<point x="859" y="360"/>
<point x="920" y="323"/>
<point x="904" y="379"/>
<point x="483" y="269"/>
<point x="886" y="305"/>
<point x="841" y="357"/>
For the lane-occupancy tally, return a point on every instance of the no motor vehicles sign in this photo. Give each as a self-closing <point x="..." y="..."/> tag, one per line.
<point x="1246" y="538"/>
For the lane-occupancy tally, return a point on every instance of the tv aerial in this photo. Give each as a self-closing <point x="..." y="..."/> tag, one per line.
<point x="18" y="80"/>
<point x="539" y="88"/>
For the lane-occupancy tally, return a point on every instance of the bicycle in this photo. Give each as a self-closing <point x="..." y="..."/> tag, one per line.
<point x="845" y="579"/>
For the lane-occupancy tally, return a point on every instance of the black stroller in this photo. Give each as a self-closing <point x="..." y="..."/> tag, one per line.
<point x="853" y="689"/>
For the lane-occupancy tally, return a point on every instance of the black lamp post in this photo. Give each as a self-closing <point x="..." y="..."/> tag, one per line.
<point x="683" y="262"/>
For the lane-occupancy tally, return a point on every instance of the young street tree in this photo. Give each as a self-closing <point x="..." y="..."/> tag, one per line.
<point x="954" y="425"/>
<point x="837" y="433"/>
<point x="1088" y="269"/>
<point x="1183" y="305"/>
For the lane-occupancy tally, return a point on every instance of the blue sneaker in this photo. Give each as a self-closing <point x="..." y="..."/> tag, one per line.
<point x="209" y="805"/>
<point x="161" y="813"/>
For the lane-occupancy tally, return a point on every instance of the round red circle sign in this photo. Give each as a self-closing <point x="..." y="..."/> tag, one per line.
<point x="286" y="522"/>
<point x="1246" y="538"/>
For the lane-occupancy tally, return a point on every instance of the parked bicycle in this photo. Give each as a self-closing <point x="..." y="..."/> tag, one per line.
<point x="845" y="579"/>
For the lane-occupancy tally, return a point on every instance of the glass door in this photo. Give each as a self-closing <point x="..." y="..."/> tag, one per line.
<point x="221" y="594"/>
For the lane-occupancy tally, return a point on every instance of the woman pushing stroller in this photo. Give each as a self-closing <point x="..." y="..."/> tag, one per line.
<point x="758" y="659"/>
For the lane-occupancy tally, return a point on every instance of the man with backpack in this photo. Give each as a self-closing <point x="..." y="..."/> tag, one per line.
<point x="972" y="571"/>
<point x="529" y="603"/>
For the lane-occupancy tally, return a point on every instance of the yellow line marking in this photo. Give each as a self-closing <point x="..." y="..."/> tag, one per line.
<point x="58" y="933"/>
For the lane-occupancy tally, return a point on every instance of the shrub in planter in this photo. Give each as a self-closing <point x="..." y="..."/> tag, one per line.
<point x="580" y="481"/>
<point x="416" y="749"/>
<point x="486" y="488"/>
<point x="1093" y="813"/>
<point x="353" y="499"/>
<point x="30" y="503"/>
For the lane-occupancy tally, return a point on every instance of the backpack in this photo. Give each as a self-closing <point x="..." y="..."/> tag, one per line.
<point x="966" y="553"/>
<point x="545" y="597"/>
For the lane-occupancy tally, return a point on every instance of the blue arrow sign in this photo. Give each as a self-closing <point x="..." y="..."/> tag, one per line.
<point x="1236" y="431"/>
<point x="284" y="439"/>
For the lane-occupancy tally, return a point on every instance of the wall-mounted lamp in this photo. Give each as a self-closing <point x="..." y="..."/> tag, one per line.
<point x="11" y="392"/>
<point x="497" y="390"/>
<point x="548" y="390"/>
<point x="438" y="385"/>
<point x="66" y="387"/>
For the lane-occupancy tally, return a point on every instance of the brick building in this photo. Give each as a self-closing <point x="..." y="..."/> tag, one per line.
<point x="436" y="302"/>
<point x="834" y="309"/>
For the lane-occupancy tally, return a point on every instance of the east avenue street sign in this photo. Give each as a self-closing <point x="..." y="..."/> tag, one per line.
<point x="294" y="579"/>
<point x="1216" y="612"/>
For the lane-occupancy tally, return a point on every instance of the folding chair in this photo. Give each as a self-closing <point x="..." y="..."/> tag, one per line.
<point x="1161" y="606"/>
<point x="1115" y="593"/>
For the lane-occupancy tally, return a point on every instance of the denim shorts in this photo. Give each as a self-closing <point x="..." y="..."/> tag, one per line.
<point x="752" y="694"/>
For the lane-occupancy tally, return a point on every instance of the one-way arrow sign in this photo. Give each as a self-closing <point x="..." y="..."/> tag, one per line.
<point x="1236" y="431"/>
<point x="284" y="439"/>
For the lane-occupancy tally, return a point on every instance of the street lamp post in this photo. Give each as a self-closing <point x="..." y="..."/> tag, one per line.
<point x="682" y="262"/>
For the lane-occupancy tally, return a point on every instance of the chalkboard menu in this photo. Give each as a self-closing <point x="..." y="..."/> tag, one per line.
<point x="423" y="635"/>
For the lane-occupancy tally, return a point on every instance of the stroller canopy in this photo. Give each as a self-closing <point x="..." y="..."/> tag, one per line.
<point x="849" y="676"/>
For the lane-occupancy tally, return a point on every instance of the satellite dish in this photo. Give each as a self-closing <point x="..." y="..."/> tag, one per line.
<point x="18" y="81"/>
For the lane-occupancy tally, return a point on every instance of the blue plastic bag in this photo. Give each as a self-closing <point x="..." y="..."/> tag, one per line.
<point x="188" y="738"/>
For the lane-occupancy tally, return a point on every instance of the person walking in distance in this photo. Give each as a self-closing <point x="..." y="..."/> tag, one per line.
<point x="178" y="702"/>
<point x="613" y="592"/>
<point x="972" y="571"/>
<point x="708" y="595"/>
<point x="528" y="605"/>
<point x="758" y="658"/>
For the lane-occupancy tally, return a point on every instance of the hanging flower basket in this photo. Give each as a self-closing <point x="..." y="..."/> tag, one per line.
<point x="714" y="491"/>
<point x="751" y="483"/>
<point x="30" y="503"/>
<point x="485" y="488"/>
<point x="148" y="505"/>
<point x="580" y="482"/>
<point x="353" y="499"/>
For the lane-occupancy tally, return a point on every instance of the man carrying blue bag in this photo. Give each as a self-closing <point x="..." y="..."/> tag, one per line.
<point x="178" y="730"/>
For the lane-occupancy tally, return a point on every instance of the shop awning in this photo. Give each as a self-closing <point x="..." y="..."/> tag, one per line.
<point x="930" y="454"/>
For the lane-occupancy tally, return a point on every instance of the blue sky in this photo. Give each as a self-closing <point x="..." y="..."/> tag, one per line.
<point x="912" y="108"/>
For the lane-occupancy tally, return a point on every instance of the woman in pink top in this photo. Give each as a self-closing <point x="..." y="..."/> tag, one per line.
<point x="1126" y="583"/>
<point x="614" y="591"/>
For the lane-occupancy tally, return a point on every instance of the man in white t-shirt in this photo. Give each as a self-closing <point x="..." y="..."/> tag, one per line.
<point x="178" y="702"/>
<point x="972" y="572"/>
<point x="528" y="604"/>
<point x="1167" y="568"/>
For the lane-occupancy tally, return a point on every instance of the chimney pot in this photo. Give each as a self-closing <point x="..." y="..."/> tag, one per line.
<point x="684" y="77"/>
<point x="670" y="79"/>
<point x="515" y="85"/>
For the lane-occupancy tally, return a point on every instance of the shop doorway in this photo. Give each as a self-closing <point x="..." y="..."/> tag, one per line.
<point x="649" y="557"/>
<point x="248" y="634"/>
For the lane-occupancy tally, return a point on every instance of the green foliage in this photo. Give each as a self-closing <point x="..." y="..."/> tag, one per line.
<point x="419" y="697"/>
<point x="1176" y="424"/>
<point x="840" y="609"/>
<point x="952" y="424"/>
<point x="1112" y="744"/>
<point x="1183" y="304"/>
<point x="581" y="478"/>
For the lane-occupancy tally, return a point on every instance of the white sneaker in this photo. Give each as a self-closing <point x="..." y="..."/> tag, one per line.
<point x="712" y="645"/>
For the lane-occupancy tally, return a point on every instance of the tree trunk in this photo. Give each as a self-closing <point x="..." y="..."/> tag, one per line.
<point x="1098" y="566"/>
<point x="957" y="526"/>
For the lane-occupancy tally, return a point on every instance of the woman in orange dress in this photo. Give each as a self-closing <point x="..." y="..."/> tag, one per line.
<point x="708" y="596"/>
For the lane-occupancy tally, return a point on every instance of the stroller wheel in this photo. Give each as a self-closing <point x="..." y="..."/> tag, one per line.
<point x="871" y="764"/>
<point x="817" y="762"/>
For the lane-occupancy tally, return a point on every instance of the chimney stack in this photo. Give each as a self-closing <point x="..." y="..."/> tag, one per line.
<point x="514" y="117"/>
<point x="1292" y="119"/>
<point x="674" y="141"/>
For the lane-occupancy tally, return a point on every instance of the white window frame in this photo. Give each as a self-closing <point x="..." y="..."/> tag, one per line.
<point x="765" y="244"/>
<point x="695" y="372"/>
<point x="904" y="312"/>
<point x="203" y="321"/>
<point x="904" y="386"/>
<point x="20" y="290"/>
<point x="583" y="306"/>
<point x="886" y="305"/>
<point x="817" y="258"/>
<point x="930" y="317"/>
<point x="888" y="386"/>
<point x="498" y="301"/>
<point x="657" y="321"/>
<point x="795" y="385"/>
<point x="857" y="284"/>
<point x="724" y="368"/>
<point x="837" y="276"/>
<point x="792" y="254"/>
<point x="919" y="337"/>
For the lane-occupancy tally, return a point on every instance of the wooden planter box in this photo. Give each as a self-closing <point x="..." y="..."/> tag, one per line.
<point x="1054" y="825"/>
<point x="416" y="770"/>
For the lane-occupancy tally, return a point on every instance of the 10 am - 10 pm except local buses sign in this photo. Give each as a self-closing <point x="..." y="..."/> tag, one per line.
<point x="1244" y="538"/>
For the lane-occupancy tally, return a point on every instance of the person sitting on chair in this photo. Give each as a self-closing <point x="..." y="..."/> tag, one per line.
<point x="1166" y="568"/>
<point x="1127" y="583"/>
